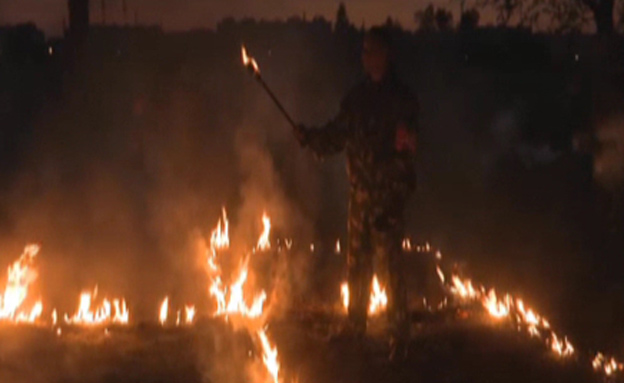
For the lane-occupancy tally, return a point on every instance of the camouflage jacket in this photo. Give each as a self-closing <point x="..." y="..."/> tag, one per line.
<point x="377" y="127"/>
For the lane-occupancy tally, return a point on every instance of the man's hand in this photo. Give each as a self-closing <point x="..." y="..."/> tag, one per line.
<point x="405" y="140"/>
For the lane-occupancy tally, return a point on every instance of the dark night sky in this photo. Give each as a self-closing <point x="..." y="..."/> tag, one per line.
<point x="184" y="14"/>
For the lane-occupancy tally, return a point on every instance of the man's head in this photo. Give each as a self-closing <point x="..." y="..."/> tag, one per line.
<point x="377" y="53"/>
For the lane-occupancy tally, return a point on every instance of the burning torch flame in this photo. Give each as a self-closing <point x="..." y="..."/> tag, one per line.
<point x="164" y="311"/>
<point x="249" y="61"/>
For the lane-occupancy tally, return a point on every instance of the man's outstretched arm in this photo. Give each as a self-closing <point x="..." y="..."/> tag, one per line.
<point x="327" y="140"/>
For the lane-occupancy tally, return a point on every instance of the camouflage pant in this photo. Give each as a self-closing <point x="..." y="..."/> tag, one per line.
<point x="375" y="236"/>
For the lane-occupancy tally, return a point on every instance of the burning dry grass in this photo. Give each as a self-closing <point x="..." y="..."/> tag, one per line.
<point x="242" y="306"/>
<point x="21" y="275"/>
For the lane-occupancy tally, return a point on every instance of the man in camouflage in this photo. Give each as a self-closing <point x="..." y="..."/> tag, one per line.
<point x="377" y="128"/>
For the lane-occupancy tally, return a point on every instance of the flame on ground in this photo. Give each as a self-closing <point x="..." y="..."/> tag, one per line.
<point x="608" y="366"/>
<point x="378" y="300"/>
<point x="115" y="311"/>
<point x="344" y="294"/>
<point x="231" y="300"/>
<point x="219" y="240"/>
<point x="406" y="244"/>
<point x="264" y="242"/>
<point x="507" y="307"/>
<point x="21" y="274"/>
<point x="220" y="237"/>
<point x="163" y="313"/>
<point x="189" y="314"/>
<point x="269" y="357"/>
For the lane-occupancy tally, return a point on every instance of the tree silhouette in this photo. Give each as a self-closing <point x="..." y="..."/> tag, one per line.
<point x="602" y="11"/>
<point x="426" y="19"/>
<point x="342" y="20"/>
<point x="566" y="16"/>
<point x="525" y="11"/>
<point x="469" y="20"/>
<point x="444" y="19"/>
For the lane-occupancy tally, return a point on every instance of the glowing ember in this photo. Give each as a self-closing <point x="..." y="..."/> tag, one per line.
<point x="163" y="313"/>
<point x="249" y="61"/>
<point x="115" y="311"/>
<point x="269" y="356"/>
<point x="337" y="248"/>
<point x="264" y="242"/>
<point x="21" y="274"/>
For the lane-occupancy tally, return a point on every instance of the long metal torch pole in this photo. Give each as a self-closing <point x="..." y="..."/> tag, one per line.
<point x="275" y="100"/>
